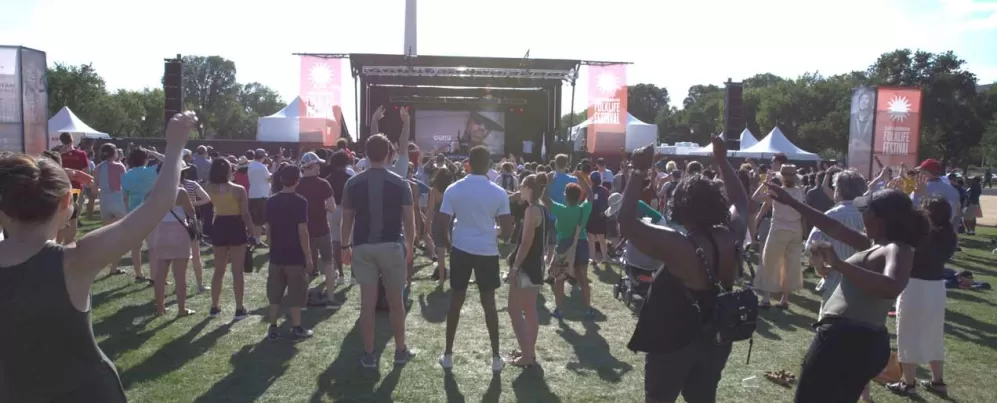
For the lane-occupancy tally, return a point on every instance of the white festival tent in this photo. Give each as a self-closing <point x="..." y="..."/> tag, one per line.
<point x="287" y="125"/>
<point x="747" y="140"/>
<point x="65" y="121"/>
<point x="776" y="143"/>
<point x="638" y="134"/>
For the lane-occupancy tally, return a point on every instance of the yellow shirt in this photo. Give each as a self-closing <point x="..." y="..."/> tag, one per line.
<point x="909" y="185"/>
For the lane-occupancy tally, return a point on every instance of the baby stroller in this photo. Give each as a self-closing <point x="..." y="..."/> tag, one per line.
<point x="634" y="281"/>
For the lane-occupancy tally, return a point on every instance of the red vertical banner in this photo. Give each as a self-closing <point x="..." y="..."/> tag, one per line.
<point x="319" y="90"/>
<point x="898" y="126"/>
<point x="607" y="112"/>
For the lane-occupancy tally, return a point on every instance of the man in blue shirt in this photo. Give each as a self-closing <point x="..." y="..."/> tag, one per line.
<point x="933" y="171"/>
<point x="561" y="179"/>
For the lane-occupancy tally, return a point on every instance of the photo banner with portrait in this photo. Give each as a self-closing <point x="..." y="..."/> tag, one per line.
<point x="320" y="110"/>
<point x="898" y="127"/>
<point x="862" y="119"/>
<point x="35" y="101"/>
<point x="456" y="132"/>
<point x="607" y="112"/>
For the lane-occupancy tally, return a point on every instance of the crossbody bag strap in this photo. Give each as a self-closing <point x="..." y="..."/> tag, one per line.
<point x="713" y="273"/>
<point x="578" y="229"/>
<point x="182" y="222"/>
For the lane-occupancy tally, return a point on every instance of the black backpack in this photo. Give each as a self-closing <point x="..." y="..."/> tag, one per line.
<point x="508" y="182"/>
<point x="735" y="312"/>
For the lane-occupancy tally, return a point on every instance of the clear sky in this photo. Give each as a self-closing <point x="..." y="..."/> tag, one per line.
<point x="674" y="44"/>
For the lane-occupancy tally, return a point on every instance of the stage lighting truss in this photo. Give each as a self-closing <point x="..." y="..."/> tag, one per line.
<point x="423" y="99"/>
<point x="466" y="72"/>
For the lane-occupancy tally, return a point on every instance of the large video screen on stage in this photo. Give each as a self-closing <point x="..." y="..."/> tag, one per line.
<point x="459" y="131"/>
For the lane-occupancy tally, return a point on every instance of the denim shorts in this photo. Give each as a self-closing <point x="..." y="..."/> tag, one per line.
<point x="581" y="251"/>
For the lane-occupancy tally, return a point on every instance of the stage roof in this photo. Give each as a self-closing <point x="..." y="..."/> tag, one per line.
<point x="460" y="71"/>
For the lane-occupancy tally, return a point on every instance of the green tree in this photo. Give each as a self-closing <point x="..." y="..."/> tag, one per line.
<point x="80" y="88"/>
<point x="209" y="84"/>
<point x="646" y="101"/>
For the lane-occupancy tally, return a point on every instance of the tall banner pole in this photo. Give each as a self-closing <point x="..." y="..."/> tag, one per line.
<point x="607" y="111"/>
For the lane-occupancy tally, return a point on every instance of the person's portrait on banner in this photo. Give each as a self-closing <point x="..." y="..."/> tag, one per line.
<point x="898" y="126"/>
<point x="459" y="131"/>
<point x="607" y="110"/>
<point x="860" y="131"/>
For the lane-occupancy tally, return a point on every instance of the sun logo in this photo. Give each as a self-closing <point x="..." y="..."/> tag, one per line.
<point x="320" y="75"/>
<point x="607" y="83"/>
<point x="899" y="108"/>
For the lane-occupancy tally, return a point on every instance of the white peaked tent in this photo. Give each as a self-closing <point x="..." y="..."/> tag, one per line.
<point x="747" y="140"/>
<point x="775" y="143"/>
<point x="65" y="121"/>
<point x="639" y="134"/>
<point x="292" y="124"/>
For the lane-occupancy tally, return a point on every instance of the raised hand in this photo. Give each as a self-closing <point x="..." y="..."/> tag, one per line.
<point x="378" y="113"/>
<point x="895" y="184"/>
<point x="719" y="147"/>
<point x="404" y="114"/>
<point x="643" y="158"/>
<point x="179" y="128"/>
<point x="922" y="185"/>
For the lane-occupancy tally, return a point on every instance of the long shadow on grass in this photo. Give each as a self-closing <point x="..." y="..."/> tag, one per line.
<point x="972" y="330"/>
<point x="593" y="352"/>
<point x="125" y="329"/>
<point x="255" y="368"/>
<point x="977" y="265"/>
<point x="531" y="386"/>
<point x="175" y="354"/>
<point x="967" y="296"/>
<point x="345" y="380"/>
<point x="435" y="305"/>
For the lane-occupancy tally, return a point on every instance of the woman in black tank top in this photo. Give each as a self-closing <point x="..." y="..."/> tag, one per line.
<point x="683" y="357"/>
<point x="527" y="272"/>
<point x="49" y="353"/>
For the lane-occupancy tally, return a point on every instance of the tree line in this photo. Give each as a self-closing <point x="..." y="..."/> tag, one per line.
<point x="958" y="114"/>
<point x="225" y="108"/>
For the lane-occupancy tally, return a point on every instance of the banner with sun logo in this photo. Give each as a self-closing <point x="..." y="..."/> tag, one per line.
<point x="607" y="111"/>
<point x="898" y="126"/>
<point x="319" y="110"/>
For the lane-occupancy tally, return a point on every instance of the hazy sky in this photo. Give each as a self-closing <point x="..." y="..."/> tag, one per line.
<point x="674" y="44"/>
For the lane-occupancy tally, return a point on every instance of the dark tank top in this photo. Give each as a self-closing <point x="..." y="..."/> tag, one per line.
<point x="48" y="351"/>
<point x="533" y="263"/>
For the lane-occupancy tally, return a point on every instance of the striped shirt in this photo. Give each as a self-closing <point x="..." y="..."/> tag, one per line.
<point x="191" y="188"/>
<point x="845" y="213"/>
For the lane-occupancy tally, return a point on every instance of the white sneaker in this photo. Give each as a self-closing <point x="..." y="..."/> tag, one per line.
<point x="497" y="364"/>
<point x="446" y="361"/>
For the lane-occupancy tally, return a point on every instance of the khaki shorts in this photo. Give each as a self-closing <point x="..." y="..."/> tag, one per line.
<point x="293" y="280"/>
<point x="380" y="260"/>
<point x="321" y="250"/>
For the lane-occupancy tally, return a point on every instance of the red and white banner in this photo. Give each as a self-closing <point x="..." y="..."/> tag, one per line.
<point x="607" y="112"/>
<point x="898" y="126"/>
<point x="320" y="100"/>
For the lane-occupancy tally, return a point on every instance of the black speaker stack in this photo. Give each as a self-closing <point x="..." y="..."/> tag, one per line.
<point x="173" y="88"/>
<point x="734" y="122"/>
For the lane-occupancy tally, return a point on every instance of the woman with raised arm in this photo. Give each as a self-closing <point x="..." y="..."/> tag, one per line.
<point x="49" y="352"/>
<point x="681" y="357"/>
<point x="852" y="345"/>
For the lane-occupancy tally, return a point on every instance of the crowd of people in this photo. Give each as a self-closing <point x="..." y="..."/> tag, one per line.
<point x="879" y="246"/>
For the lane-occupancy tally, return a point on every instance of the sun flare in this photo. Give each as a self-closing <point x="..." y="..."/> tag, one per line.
<point x="320" y="75"/>
<point x="608" y="83"/>
<point x="899" y="108"/>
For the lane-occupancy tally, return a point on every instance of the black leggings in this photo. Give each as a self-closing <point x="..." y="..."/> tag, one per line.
<point x="692" y="371"/>
<point x="843" y="357"/>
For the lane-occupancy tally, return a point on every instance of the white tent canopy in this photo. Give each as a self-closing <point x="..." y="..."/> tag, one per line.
<point x="747" y="140"/>
<point x="65" y="121"/>
<point x="288" y="125"/>
<point x="638" y="134"/>
<point x="776" y="143"/>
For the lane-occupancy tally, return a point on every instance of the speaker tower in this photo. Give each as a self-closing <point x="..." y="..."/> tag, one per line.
<point x="734" y="122"/>
<point x="173" y="88"/>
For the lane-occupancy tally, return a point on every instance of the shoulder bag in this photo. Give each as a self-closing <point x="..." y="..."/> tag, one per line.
<point x="563" y="266"/>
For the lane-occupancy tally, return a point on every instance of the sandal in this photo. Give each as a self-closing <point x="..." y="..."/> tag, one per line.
<point x="936" y="387"/>
<point x="781" y="377"/>
<point x="518" y="362"/>
<point x="515" y="353"/>
<point x="901" y="388"/>
<point x="185" y="312"/>
<point x="115" y="272"/>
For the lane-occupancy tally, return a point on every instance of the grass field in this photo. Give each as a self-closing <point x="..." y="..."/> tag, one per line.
<point x="196" y="359"/>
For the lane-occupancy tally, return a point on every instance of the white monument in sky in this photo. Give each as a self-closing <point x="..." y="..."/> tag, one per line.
<point x="410" y="28"/>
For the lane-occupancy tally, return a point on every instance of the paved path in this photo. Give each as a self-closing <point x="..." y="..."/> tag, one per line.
<point x="988" y="203"/>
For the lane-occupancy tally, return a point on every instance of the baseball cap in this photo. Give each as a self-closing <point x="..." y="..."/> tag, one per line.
<point x="931" y="165"/>
<point x="260" y="153"/>
<point x="310" y="158"/>
<point x="595" y="177"/>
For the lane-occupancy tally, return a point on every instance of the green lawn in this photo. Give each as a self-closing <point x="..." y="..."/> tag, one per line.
<point x="202" y="360"/>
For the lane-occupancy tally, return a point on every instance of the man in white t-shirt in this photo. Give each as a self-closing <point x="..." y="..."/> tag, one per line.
<point x="478" y="204"/>
<point x="259" y="189"/>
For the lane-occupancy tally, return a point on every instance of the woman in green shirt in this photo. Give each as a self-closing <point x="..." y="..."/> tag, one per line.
<point x="571" y="217"/>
